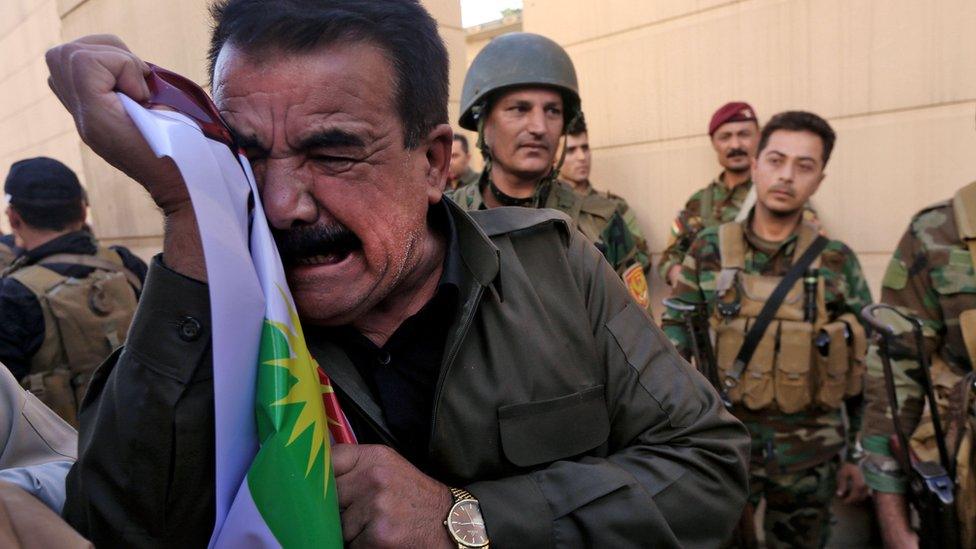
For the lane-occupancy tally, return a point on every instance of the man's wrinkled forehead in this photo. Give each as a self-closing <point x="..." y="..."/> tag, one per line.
<point x="343" y="82"/>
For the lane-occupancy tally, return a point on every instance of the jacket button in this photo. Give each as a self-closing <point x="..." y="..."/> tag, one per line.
<point x="190" y="329"/>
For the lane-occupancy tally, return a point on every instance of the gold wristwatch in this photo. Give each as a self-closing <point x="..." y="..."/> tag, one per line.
<point x="464" y="522"/>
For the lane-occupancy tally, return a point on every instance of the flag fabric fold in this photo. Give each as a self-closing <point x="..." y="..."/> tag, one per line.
<point x="274" y="479"/>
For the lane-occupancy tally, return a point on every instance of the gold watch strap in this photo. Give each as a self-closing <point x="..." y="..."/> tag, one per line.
<point x="460" y="494"/>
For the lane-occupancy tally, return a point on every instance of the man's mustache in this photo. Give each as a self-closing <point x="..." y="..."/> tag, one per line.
<point x="736" y="152"/>
<point x="531" y="143"/>
<point x="311" y="240"/>
<point x="783" y="189"/>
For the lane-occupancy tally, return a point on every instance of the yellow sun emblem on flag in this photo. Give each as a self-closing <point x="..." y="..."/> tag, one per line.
<point x="306" y="391"/>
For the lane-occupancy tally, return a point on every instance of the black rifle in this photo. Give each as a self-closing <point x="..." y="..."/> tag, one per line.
<point x="931" y="483"/>
<point x="695" y="316"/>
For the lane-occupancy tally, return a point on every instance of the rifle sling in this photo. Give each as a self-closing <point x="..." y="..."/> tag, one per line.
<point x="769" y="309"/>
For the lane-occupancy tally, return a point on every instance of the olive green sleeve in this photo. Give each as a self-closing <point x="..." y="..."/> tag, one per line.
<point x="145" y="469"/>
<point x="675" y="454"/>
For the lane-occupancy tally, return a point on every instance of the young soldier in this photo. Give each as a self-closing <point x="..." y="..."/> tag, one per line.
<point x="577" y="163"/>
<point x="460" y="172"/>
<point x="520" y="95"/>
<point x="807" y="361"/>
<point x="931" y="278"/>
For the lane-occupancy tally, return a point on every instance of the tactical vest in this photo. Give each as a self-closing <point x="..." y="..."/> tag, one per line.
<point x="85" y="319"/>
<point x="955" y="393"/>
<point x="798" y="364"/>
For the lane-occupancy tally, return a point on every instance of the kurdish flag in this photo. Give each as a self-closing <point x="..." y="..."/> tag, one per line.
<point x="274" y="479"/>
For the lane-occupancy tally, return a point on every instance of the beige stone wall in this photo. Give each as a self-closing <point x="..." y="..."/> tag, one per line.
<point x="894" y="77"/>
<point x="173" y="34"/>
<point x="32" y="122"/>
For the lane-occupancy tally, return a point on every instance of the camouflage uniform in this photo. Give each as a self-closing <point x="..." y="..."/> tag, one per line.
<point x="643" y="255"/>
<point x="931" y="277"/>
<point x="793" y="455"/>
<point x="600" y="219"/>
<point x="725" y="205"/>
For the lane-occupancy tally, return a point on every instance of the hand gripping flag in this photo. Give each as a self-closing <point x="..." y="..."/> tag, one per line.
<point x="275" y="411"/>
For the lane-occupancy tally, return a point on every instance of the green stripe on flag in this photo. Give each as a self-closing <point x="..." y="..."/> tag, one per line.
<point x="291" y="478"/>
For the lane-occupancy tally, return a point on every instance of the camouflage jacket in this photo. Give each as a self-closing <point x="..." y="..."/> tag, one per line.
<point x="931" y="277"/>
<point x="791" y="441"/>
<point x="725" y="205"/>
<point x="600" y="219"/>
<point x="643" y="255"/>
<point x="468" y="177"/>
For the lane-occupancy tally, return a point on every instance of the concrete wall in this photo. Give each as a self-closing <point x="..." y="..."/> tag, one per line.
<point x="173" y="34"/>
<point x="894" y="77"/>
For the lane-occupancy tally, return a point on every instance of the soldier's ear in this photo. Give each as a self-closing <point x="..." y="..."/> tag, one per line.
<point x="437" y="151"/>
<point x="14" y="218"/>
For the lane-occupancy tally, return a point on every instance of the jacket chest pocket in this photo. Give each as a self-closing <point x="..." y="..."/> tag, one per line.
<point x="534" y="433"/>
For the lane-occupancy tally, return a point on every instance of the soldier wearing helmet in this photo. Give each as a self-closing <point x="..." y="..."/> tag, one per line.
<point x="520" y="95"/>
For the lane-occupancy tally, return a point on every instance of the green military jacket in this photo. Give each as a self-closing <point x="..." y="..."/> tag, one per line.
<point x="931" y="277"/>
<point x="643" y="255"/>
<point x="559" y="405"/>
<point x="600" y="219"/>
<point x="789" y="442"/>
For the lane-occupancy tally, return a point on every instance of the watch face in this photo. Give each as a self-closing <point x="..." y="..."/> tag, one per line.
<point x="467" y="525"/>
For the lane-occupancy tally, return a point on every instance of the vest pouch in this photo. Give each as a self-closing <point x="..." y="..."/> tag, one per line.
<point x="729" y="338"/>
<point x="858" y="350"/>
<point x="757" y="380"/>
<point x="55" y="390"/>
<point x="793" y="366"/>
<point x="833" y="364"/>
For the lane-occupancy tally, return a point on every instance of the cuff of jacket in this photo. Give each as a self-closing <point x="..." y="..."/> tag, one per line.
<point x="881" y="471"/>
<point x="171" y="328"/>
<point x="516" y="512"/>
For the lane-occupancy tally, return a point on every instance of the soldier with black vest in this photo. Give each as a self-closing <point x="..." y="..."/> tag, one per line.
<point x="66" y="302"/>
<point x="783" y="304"/>
<point x="521" y="95"/>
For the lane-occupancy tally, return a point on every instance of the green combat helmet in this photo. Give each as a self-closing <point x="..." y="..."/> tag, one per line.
<point x="517" y="59"/>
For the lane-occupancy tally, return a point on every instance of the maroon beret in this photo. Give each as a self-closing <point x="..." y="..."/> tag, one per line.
<point x="736" y="111"/>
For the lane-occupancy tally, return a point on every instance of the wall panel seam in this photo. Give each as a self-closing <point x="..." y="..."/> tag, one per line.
<point x="851" y="116"/>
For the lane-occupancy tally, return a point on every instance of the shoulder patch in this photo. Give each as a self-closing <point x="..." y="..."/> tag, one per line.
<point x="497" y="221"/>
<point x="896" y="275"/>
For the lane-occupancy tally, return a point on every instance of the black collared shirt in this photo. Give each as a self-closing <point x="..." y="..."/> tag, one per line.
<point x="402" y="374"/>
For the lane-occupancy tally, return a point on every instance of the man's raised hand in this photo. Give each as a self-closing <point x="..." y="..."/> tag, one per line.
<point x="85" y="75"/>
